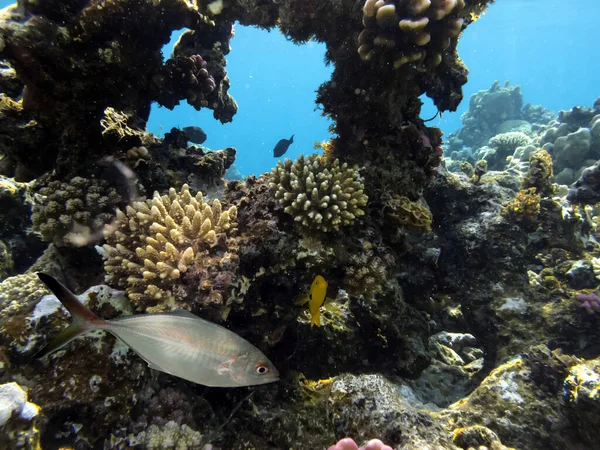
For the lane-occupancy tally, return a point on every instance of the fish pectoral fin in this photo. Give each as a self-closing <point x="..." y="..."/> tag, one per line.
<point x="301" y="299"/>
<point x="225" y="367"/>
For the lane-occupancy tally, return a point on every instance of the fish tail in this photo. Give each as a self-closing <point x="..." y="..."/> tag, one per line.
<point x="84" y="320"/>
<point x="315" y="319"/>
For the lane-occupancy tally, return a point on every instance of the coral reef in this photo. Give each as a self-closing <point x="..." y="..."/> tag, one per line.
<point x="321" y="195"/>
<point x="154" y="243"/>
<point x="441" y="289"/>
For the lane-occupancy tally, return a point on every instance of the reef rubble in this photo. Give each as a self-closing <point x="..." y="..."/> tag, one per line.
<point x="457" y="283"/>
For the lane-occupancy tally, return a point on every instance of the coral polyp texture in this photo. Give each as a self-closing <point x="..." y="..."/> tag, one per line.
<point x="409" y="32"/>
<point x="154" y="242"/>
<point x="64" y="213"/>
<point x="320" y="194"/>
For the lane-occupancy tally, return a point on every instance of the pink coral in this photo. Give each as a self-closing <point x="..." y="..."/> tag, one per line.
<point x="590" y="302"/>
<point x="349" y="444"/>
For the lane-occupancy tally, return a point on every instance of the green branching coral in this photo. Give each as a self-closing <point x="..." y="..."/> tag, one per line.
<point x="320" y="194"/>
<point x="540" y="174"/>
<point x="154" y="242"/>
<point x="506" y="143"/>
<point x="414" y="32"/>
<point x="64" y="212"/>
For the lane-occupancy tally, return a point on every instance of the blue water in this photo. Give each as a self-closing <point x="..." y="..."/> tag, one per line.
<point x="546" y="46"/>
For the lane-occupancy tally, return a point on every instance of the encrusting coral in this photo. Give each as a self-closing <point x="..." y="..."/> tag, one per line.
<point x="409" y="214"/>
<point x="154" y="242"/>
<point x="409" y="31"/>
<point x="320" y="194"/>
<point x="525" y="207"/>
<point x="62" y="211"/>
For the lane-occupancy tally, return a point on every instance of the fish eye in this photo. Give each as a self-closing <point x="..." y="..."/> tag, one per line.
<point x="261" y="369"/>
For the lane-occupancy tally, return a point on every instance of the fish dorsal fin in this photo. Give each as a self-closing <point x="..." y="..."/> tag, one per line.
<point x="176" y="312"/>
<point x="181" y="313"/>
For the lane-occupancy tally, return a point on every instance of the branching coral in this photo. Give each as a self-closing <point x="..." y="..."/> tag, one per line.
<point x="154" y="242"/>
<point x="414" y="32"/>
<point x="321" y="194"/>
<point x="61" y="211"/>
<point x="18" y="290"/>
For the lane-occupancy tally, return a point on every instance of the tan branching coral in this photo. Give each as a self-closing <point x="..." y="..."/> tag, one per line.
<point x="413" y="32"/>
<point x="64" y="211"/>
<point x="321" y="194"/>
<point x="154" y="242"/>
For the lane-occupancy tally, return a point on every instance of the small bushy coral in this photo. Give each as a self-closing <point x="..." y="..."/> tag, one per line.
<point x="320" y="194"/>
<point x="20" y="289"/>
<point x="62" y="211"/>
<point x="414" y="32"/>
<point x="155" y="241"/>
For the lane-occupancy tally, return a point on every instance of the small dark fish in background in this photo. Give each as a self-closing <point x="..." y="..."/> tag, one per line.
<point x="282" y="146"/>
<point x="195" y="134"/>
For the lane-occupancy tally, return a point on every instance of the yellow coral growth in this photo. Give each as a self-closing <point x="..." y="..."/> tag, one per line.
<point x="156" y="241"/>
<point x="526" y="206"/>
<point x="409" y="214"/>
<point x="540" y="174"/>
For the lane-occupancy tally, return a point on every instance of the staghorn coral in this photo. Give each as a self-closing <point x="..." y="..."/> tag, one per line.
<point x="414" y="32"/>
<point x="409" y="214"/>
<point x="154" y="242"/>
<point x="540" y="175"/>
<point x="320" y="194"/>
<point x="63" y="212"/>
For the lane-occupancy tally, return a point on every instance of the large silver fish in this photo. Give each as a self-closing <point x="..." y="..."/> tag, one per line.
<point x="178" y="343"/>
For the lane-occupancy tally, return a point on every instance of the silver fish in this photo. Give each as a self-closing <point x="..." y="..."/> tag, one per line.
<point x="178" y="343"/>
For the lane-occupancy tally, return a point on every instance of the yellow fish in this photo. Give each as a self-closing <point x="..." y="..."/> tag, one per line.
<point x="318" y="293"/>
